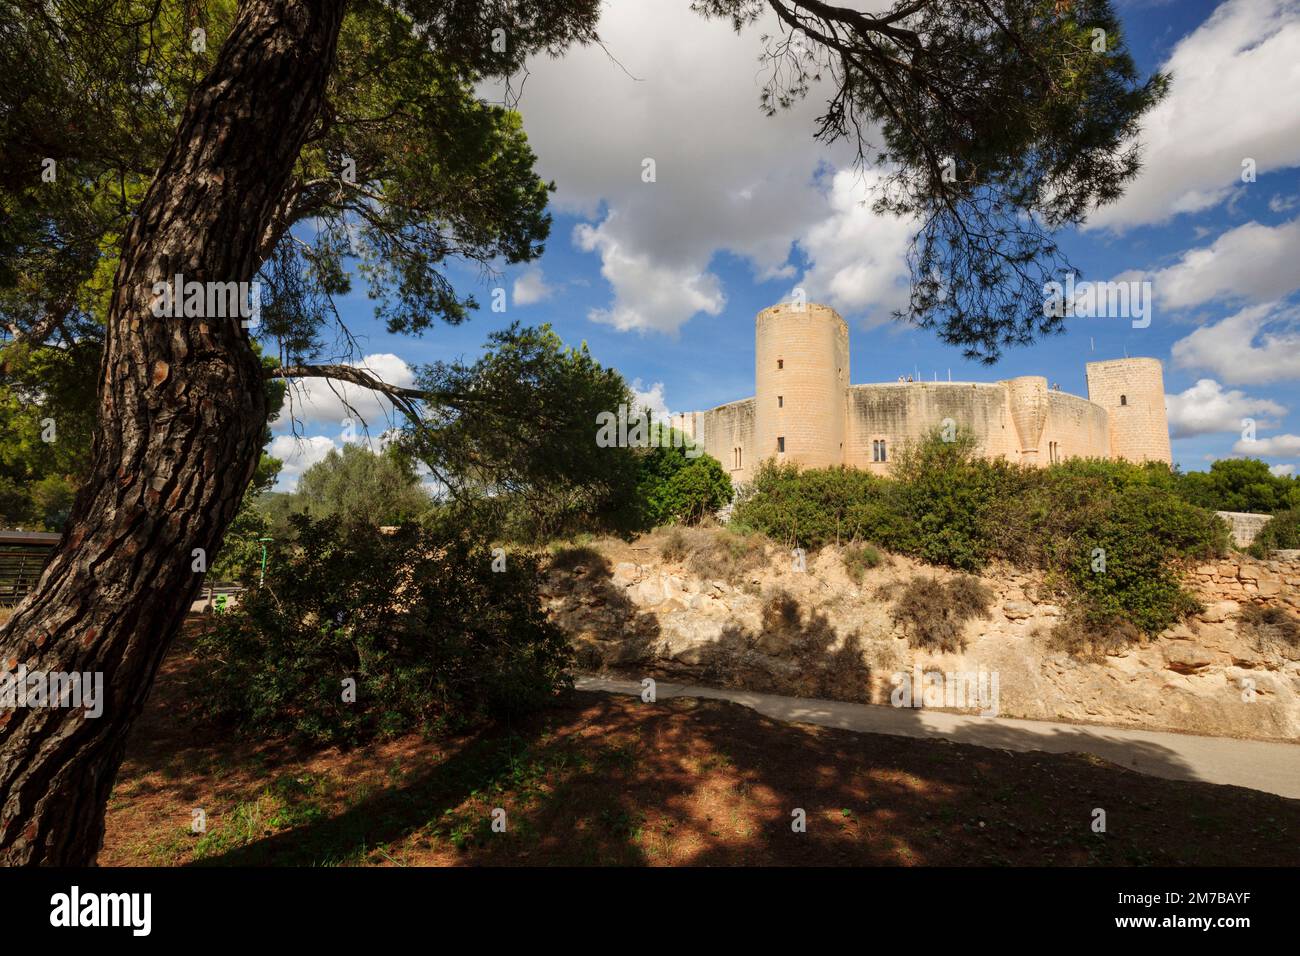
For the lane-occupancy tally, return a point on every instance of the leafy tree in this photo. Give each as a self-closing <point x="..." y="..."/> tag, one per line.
<point x="47" y="415"/>
<point x="676" y="488"/>
<point x="996" y="121"/>
<point x="1283" y="532"/>
<point x="462" y="640"/>
<point x="329" y="110"/>
<point x="512" y="436"/>
<point x="362" y="487"/>
<point x="1240" y="484"/>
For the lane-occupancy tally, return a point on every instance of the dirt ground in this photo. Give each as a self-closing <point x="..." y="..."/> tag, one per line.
<point x="609" y="780"/>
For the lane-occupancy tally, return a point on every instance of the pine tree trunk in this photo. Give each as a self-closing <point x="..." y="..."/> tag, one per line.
<point x="182" y="408"/>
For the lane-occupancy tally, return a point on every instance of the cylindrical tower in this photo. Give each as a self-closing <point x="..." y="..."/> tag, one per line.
<point x="801" y="378"/>
<point x="1132" y="391"/>
<point x="1028" y="397"/>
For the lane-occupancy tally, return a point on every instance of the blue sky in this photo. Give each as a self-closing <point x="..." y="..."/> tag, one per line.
<point x="663" y="279"/>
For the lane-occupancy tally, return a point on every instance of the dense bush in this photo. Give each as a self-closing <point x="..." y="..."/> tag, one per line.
<point x="1113" y="533"/>
<point x="433" y="636"/>
<point x="1282" y="532"/>
<point x="946" y="500"/>
<point x="673" y="488"/>
<point x="1239" y="484"/>
<point x="813" y="507"/>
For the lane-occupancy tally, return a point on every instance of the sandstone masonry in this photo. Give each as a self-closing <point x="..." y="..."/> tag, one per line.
<point x="804" y="410"/>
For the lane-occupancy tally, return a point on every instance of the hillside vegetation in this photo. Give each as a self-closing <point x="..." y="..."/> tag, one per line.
<point x="1111" y="535"/>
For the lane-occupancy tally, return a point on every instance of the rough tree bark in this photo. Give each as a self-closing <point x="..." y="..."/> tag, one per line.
<point x="182" y="407"/>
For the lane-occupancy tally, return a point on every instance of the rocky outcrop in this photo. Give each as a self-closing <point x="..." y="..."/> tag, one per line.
<point x="819" y="633"/>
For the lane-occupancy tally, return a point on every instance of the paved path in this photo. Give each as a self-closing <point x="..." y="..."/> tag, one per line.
<point x="1271" y="767"/>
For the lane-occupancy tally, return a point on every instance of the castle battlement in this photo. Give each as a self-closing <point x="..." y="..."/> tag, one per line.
<point x="804" y="410"/>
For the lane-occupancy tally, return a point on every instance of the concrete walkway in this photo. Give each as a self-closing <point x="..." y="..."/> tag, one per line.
<point x="1271" y="767"/>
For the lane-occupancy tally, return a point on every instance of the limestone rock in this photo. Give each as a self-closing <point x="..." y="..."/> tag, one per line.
<point x="651" y="613"/>
<point x="1017" y="610"/>
<point x="1220" y="611"/>
<point x="1184" y="657"/>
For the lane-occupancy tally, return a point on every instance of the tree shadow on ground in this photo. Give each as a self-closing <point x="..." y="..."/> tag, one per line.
<point x="603" y="779"/>
<point x="614" y="780"/>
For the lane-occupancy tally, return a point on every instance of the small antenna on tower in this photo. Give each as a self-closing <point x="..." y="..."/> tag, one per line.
<point x="1092" y="345"/>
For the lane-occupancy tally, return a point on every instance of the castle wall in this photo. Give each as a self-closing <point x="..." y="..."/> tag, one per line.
<point x="726" y="429"/>
<point x="903" y="413"/>
<point x="1062" y="426"/>
<point x="1133" y="393"/>
<point x="802" y="395"/>
<point x="801" y="371"/>
<point x="1076" y="427"/>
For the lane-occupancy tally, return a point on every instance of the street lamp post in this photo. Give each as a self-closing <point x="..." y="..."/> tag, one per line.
<point x="262" y="577"/>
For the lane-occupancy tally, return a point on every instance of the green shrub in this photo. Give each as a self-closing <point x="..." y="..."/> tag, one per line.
<point x="946" y="498"/>
<point x="1281" y="533"/>
<point x="809" y="508"/>
<point x="933" y="613"/>
<point x="946" y="506"/>
<point x="1121" y="549"/>
<point x="859" y="558"/>
<point x="434" y="638"/>
<point x="675" y="488"/>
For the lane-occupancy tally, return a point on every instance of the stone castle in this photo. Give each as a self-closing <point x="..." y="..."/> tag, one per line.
<point x="804" y="410"/>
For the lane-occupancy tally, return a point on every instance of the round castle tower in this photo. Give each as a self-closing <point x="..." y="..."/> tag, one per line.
<point x="1132" y="391"/>
<point x="801" y="378"/>
<point x="1028" y="414"/>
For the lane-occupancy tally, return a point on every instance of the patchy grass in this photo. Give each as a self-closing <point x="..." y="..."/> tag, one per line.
<point x="610" y="780"/>
<point x="675" y="546"/>
<point x="1091" y="640"/>
<point x="571" y="557"/>
<point x="860" y="558"/>
<point x="1270" y="626"/>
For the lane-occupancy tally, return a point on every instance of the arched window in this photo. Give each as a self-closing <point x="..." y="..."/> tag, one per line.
<point x="1123" y="399"/>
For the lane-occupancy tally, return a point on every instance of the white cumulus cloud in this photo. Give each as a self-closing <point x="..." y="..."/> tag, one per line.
<point x="1261" y="343"/>
<point x="298" y="454"/>
<point x="648" y="293"/>
<point x="1233" y="98"/>
<point x="326" y="400"/>
<point x="858" y="257"/>
<point x="1280" y="446"/>
<point x="1207" y="407"/>
<point x="1253" y="262"/>
<point x="531" y="287"/>
<point x="672" y="87"/>
<point x="651" y="399"/>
